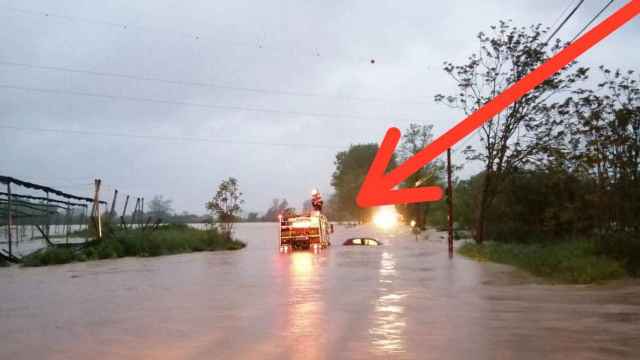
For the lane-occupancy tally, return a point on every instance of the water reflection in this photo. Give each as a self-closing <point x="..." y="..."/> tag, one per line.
<point x="305" y="328"/>
<point x="389" y="314"/>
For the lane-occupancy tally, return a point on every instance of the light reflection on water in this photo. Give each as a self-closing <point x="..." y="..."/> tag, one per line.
<point x="306" y="306"/>
<point x="389" y="319"/>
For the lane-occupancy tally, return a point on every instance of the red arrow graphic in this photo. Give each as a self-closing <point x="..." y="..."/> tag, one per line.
<point x="378" y="187"/>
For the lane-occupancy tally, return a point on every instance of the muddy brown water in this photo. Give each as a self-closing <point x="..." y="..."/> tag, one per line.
<point x="402" y="300"/>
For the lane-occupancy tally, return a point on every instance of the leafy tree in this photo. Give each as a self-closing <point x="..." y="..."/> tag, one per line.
<point x="351" y="168"/>
<point x="414" y="139"/>
<point x="253" y="217"/>
<point x="602" y="128"/>
<point x="159" y="207"/>
<point x="226" y="205"/>
<point x="278" y="207"/>
<point x="464" y="198"/>
<point x="514" y="137"/>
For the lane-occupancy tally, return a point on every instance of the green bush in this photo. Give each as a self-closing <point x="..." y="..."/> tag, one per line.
<point x="50" y="256"/>
<point x="624" y="247"/>
<point x="575" y="262"/>
<point x="165" y="240"/>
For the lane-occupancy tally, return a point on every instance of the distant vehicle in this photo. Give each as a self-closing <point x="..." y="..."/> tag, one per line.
<point x="307" y="231"/>
<point x="362" y="242"/>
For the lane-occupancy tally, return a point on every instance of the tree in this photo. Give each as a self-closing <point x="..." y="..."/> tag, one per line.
<point x="602" y="128"/>
<point x="226" y="205"/>
<point x="278" y="207"/>
<point x="252" y="217"/>
<point x="515" y="136"/>
<point x="351" y="168"/>
<point x="159" y="207"/>
<point x="417" y="137"/>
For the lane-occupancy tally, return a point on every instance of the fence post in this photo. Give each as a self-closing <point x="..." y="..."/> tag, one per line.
<point x="124" y="212"/>
<point x="67" y="223"/>
<point x="9" y="211"/>
<point x="96" y="206"/>
<point x="113" y="203"/>
<point x="47" y="230"/>
<point x="136" y="210"/>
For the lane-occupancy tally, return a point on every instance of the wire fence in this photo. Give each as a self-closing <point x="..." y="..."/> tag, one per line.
<point x="35" y="216"/>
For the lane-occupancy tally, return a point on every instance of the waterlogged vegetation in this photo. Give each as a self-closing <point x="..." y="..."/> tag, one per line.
<point x="574" y="262"/>
<point x="165" y="240"/>
<point x="150" y="240"/>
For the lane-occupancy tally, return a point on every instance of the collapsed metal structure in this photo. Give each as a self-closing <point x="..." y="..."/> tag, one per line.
<point x="53" y="213"/>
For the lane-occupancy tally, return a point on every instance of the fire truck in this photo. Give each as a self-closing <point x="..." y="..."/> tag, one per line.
<point x="307" y="231"/>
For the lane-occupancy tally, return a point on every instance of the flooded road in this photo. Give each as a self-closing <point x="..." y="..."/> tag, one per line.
<point x="403" y="300"/>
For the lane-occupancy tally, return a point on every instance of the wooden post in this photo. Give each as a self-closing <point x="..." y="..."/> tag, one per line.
<point x="142" y="212"/>
<point x="136" y="210"/>
<point x="82" y="221"/>
<point x="450" y="202"/>
<point x="9" y="211"/>
<point x="96" y="206"/>
<point x="124" y="212"/>
<point x="48" y="216"/>
<point x="113" y="204"/>
<point x="67" y="224"/>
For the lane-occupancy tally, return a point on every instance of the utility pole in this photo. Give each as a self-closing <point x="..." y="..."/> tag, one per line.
<point x="9" y="211"/>
<point x="450" y="202"/>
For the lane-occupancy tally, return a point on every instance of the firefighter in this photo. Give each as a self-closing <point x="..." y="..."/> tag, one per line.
<point x="316" y="200"/>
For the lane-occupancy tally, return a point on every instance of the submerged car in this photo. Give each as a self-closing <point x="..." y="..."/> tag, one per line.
<point x="362" y="241"/>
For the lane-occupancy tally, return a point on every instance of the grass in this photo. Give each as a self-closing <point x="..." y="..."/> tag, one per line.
<point x="166" y="240"/>
<point x="572" y="262"/>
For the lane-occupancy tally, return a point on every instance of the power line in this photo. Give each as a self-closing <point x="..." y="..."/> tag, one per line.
<point x="565" y="21"/>
<point x="122" y="26"/>
<point x="192" y="104"/>
<point x="592" y="20"/>
<point x="200" y="84"/>
<point x="169" y="138"/>
<point x="309" y="52"/>
<point x="562" y="13"/>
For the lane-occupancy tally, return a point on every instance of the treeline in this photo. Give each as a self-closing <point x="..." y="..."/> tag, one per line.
<point x="562" y="162"/>
<point x="281" y="206"/>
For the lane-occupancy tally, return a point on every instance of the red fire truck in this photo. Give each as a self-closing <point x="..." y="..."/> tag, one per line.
<point x="307" y="231"/>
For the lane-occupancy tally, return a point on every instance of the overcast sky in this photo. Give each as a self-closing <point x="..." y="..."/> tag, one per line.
<point x="311" y="61"/>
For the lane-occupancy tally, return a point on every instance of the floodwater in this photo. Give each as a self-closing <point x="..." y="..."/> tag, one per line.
<point x="403" y="300"/>
<point x="26" y="239"/>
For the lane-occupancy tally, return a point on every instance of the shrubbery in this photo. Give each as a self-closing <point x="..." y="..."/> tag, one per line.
<point x="578" y="262"/>
<point x="624" y="247"/>
<point x="166" y="240"/>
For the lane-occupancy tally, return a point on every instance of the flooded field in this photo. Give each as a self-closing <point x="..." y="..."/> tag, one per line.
<point x="27" y="239"/>
<point x="403" y="300"/>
